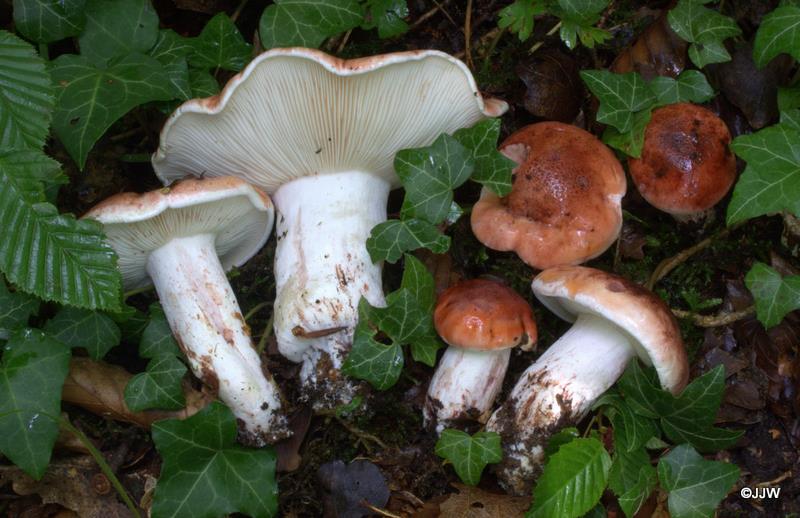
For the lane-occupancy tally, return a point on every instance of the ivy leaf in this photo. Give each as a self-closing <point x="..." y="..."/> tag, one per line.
<point x="202" y="83"/>
<point x="388" y="241"/>
<point x="695" y="485"/>
<point x="642" y="391"/>
<point x="91" y="99"/>
<point x="779" y="32"/>
<point x="573" y="480"/>
<point x="171" y="50"/>
<point x="45" y="21"/>
<point x="116" y="28"/>
<point x="690" y="86"/>
<point x="492" y="169"/>
<point x="32" y="373"/>
<point x="429" y="175"/>
<point x="370" y="360"/>
<point x="158" y="387"/>
<point x="424" y="348"/>
<point x="705" y="29"/>
<point x="630" y="142"/>
<point x="469" y="455"/>
<point x="518" y="17"/>
<point x="306" y="23"/>
<point x="419" y="282"/>
<point x="387" y="16"/>
<point x="26" y="95"/>
<point x="620" y="96"/>
<point x="157" y="338"/>
<point x="631" y="430"/>
<point x="220" y="45"/>
<point x="91" y="330"/>
<point x="775" y="296"/>
<point x="206" y="474"/>
<point x="15" y="310"/>
<point x="632" y="479"/>
<point x="788" y="98"/>
<point x="771" y="180"/>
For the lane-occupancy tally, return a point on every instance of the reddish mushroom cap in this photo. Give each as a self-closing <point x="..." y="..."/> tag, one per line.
<point x="564" y="207"/>
<point x="484" y="315"/>
<point x="686" y="166"/>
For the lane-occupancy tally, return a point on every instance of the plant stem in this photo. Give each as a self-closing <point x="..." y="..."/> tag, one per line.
<point x="718" y="320"/>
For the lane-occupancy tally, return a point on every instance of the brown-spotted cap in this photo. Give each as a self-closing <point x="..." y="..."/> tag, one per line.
<point x="484" y="315"/>
<point x="569" y="291"/>
<point x="686" y="166"/>
<point x="239" y="215"/>
<point x="564" y="207"/>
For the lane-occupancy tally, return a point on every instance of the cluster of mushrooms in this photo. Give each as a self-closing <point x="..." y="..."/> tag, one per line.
<point x="319" y="135"/>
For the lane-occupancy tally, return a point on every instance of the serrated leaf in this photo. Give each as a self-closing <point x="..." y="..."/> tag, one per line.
<point x="158" y="387"/>
<point x="45" y="21"/>
<point x="779" y="32"/>
<point x="620" y="96"/>
<point x="559" y="439"/>
<point x="388" y="241"/>
<point x="157" y="338"/>
<point x="32" y="373"/>
<point x="28" y="170"/>
<point x="26" y="95"/>
<point x="775" y="296"/>
<point x="690" y="86"/>
<point x="370" y="360"/>
<point x="206" y="474"/>
<point x="91" y="99"/>
<point x="469" y="455"/>
<point x="705" y="29"/>
<point x="492" y="169"/>
<point x="306" y="23"/>
<point x="695" y="485"/>
<point x="771" y="181"/>
<point x="632" y="479"/>
<point x="91" y="330"/>
<point x="387" y="16"/>
<point x="573" y="480"/>
<point x="116" y="28"/>
<point x="519" y="17"/>
<point x="220" y="45"/>
<point x="429" y="175"/>
<point x="15" y="310"/>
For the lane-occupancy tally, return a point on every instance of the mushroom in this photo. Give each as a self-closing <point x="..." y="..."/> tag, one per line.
<point x="564" y="207"/>
<point x="481" y="321"/>
<point x="686" y="166"/>
<point x="614" y="321"/>
<point x="182" y="240"/>
<point x="320" y="133"/>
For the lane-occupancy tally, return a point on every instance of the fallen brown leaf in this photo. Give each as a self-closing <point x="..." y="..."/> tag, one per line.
<point x="658" y="51"/>
<point x="472" y="502"/>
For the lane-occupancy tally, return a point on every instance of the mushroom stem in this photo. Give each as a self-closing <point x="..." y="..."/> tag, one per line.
<point x="556" y="392"/>
<point x="464" y="386"/>
<point x="322" y="269"/>
<point x="205" y="318"/>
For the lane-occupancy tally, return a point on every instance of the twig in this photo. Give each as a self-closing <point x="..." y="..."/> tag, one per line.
<point x="342" y="44"/>
<point x="468" y="35"/>
<point x="378" y="510"/>
<point x="482" y="41"/>
<point x="419" y="21"/>
<point x="238" y="11"/>
<point x="492" y="46"/>
<point x="255" y="309"/>
<point x="775" y="481"/>
<point x="549" y="33"/>
<point x="718" y="320"/>
<point x="126" y="134"/>
<point x="365" y="437"/>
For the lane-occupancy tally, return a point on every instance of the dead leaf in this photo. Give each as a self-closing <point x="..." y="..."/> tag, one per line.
<point x="472" y="502"/>
<point x="658" y="51"/>
<point x="345" y="486"/>
<point x="554" y="90"/>
<point x="288" y="449"/>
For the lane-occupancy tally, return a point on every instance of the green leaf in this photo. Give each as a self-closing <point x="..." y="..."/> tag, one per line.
<point x="306" y="23"/>
<point x="642" y="391"/>
<point x="695" y="485"/>
<point x="492" y="169"/>
<point x="559" y="439"/>
<point x="26" y="95"/>
<point x="15" y="310"/>
<point x="779" y="32"/>
<point x="91" y="99"/>
<point x="45" y="21"/>
<point x="370" y="360"/>
<point x="220" y="45"/>
<point x="788" y="98"/>
<point x="157" y="338"/>
<point x="32" y="373"/>
<point x="775" y="296"/>
<point x="419" y="282"/>
<point x="403" y="319"/>
<point x="690" y="86"/>
<point x="429" y="175"/>
<point x="203" y="84"/>
<point x="630" y="142"/>
<point x="424" y="348"/>
<point x="388" y="241"/>
<point x="469" y="455"/>
<point x="91" y="330"/>
<point x="171" y="50"/>
<point x="206" y="474"/>
<point x="771" y="181"/>
<point x="28" y="170"/>
<point x="116" y="28"/>
<point x="573" y="480"/>
<point x="158" y="387"/>
<point x="632" y="479"/>
<point x="581" y="11"/>
<point x="592" y="36"/>
<point x="705" y="29"/>
<point x="620" y="96"/>
<point x="51" y="255"/>
<point x="387" y="16"/>
<point x="631" y="430"/>
<point x="518" y="17"/>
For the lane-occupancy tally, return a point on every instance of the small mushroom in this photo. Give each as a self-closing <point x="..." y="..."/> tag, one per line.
<point x="686" y="166"/>
<point x="564" y="207"/>
<point x="615" y="320"/>
<point x="182" y="239"/>
<point x="481" y="321"/>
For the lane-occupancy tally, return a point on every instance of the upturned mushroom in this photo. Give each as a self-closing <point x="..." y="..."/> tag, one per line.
<point x="614" y="321"/>
<point x="320" y="134"/>
<point x="182" y="240"/>
<point x="564" y="207"/>
<point x="481" y="321"/>
<point x="686" y="166"/>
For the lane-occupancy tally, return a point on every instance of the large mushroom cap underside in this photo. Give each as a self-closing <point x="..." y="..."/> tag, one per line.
<point x="239" y="216"/>
<point x="300" y="112"/>
<point x="570" y="291"/>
